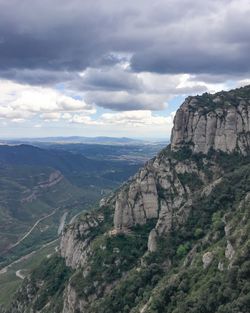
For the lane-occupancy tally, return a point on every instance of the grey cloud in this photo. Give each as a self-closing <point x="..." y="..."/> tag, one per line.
<point x="180" y="36"/>
<point x="55" y="35"/>
<point x="123" y="101"/>
<point x="111" y="79"/>
<point x="193" y="60"/>
<point x="38" y="76"/>
<point x="218" y="78"/>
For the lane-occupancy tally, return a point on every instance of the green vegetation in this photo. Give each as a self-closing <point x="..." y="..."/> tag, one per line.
<point x="47" y="281"/>
<point x="196" y="290"/>
<point x="206" y="101"/>
<point x="51" y="275"/>
<point x="176" y="288"/>
<point x="130" y="291"/>
<point x="182" y="250"/>
<point x="111" y="256"/>
<point x="191" y="180"/>
<point x="9" y="282"/>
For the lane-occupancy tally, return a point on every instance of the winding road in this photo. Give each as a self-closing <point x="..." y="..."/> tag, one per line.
<point x="32" y="228"/>
<point x="25" y="257"/>
<point x="19" y="275"/>
<point x="5" y="269"/>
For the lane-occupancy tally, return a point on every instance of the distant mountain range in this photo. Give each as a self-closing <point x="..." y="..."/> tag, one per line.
<point x="87" y="140"/>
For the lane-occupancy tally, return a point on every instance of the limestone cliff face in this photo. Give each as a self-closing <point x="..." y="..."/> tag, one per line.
<point x="138" y="201"/>
<point x="219" y="124"/>
<point x="160" y="191"/>
<point x="155" y="192"/>
<point x="74" y="245"/>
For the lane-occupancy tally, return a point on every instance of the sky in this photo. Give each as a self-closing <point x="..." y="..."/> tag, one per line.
<point x="115" y="68"/>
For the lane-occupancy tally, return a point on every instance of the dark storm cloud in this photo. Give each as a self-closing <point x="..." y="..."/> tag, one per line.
<point x="180" y="36"/>
<point x="60" y="35"/>
<point x="111" y="79"/>
<point x="38" y="76"/>
<point x="194" y="60"/>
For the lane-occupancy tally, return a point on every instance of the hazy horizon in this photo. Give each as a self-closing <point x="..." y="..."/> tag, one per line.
<point x="87" y="137"/>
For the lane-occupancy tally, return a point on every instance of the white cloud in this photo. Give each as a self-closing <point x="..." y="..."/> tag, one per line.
<point x="135" y="119"/>
<point x="11" y="113"/>
<point x="83" y="119"/>
<point x="66" y="116"/>
<point x="23" y="101"/>
<point x="51" y="116"/>
<point x="243" y="82"/>
<point x="129" y="123"/>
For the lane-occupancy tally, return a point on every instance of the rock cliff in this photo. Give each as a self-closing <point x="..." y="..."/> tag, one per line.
<point x="157" y="192"/>
<point x="220" y="121"/>
<point x="74" y="245"/>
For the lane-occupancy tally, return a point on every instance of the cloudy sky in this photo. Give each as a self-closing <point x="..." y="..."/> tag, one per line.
<point x="115" y="68"/>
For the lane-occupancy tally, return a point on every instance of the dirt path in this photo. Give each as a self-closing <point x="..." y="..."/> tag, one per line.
<point x="19" y="275"/>
<point x="25" y="257"/>
<point x="32" y="228"/>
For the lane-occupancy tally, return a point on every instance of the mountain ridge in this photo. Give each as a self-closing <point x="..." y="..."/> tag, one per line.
<point x="174" y="238"/>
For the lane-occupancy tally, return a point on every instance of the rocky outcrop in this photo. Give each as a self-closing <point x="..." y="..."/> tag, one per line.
<point x="207" y="259"/>
<point x="72" y="302"/>
<point x="72" y="249"/>
<point x="217" y="123"/>
<point x="138" y="201"/>
<point x="54" y="178"/>
<point x="159" y="191"/>
<point x="74" y="245"/>
<point x="229" y="252"/>
<point x="152" y="241"/>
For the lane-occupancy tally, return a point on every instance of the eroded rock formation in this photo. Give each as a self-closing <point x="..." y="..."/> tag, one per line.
<point x="219" y="124"/>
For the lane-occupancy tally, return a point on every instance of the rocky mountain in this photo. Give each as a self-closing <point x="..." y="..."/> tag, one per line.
<point x="174" y="238"/>
<point x="220" y="122"/>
